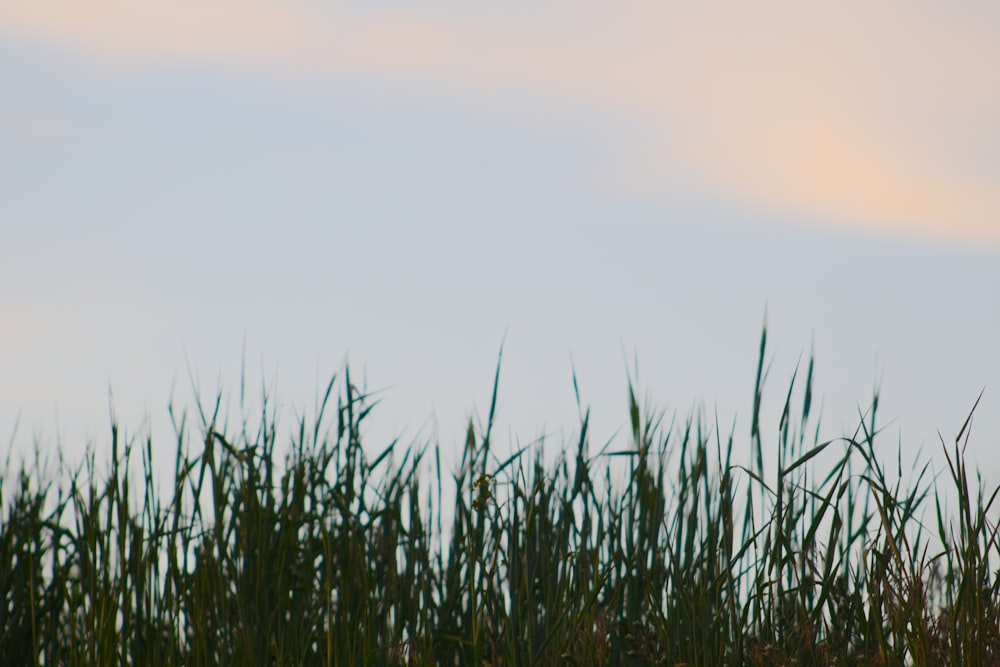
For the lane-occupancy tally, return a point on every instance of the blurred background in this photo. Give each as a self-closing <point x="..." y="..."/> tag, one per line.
<point x="189" y="189"/>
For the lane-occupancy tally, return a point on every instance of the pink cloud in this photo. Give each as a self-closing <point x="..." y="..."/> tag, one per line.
<point x="124" y="33"/>
<point x="874" y="116"/>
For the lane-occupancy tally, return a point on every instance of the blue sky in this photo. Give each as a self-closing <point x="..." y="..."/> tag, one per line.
<point x="401" y="186"/>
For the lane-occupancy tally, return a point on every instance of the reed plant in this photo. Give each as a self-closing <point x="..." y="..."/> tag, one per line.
<point x="670" y="545"/>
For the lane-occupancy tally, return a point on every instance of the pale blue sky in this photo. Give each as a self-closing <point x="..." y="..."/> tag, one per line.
<point x="403" y="205"/>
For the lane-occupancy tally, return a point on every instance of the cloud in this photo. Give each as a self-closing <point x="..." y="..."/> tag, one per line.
<point x="875" y="116"/>
<point x="125" y="33"/>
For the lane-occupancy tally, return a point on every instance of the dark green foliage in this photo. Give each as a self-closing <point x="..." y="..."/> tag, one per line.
<point x="662" y="551"/>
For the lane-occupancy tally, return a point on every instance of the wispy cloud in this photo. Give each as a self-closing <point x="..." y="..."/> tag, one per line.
<point x="129" y="34"/>
<point x="880" y="116"/>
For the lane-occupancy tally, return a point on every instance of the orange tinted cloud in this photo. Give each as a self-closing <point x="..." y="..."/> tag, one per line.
<point x="129" y="33"/>
<point x="881" y="116"/>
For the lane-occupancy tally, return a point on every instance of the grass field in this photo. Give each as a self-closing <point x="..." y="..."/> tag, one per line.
<point x="663" y="547"/>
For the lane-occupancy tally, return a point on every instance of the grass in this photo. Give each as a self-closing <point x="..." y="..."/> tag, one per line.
<point x="659" y="550"/>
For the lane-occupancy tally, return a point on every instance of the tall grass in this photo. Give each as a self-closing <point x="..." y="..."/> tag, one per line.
<point x="660" y="550"/>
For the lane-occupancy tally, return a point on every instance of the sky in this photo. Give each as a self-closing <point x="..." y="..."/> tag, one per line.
<point x="190" y="187"/>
